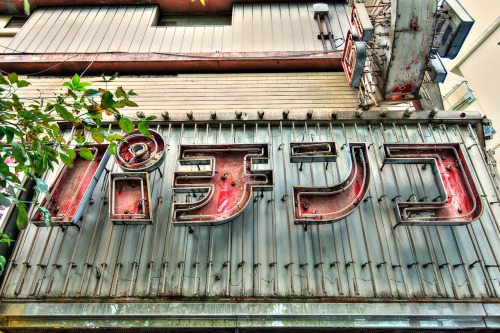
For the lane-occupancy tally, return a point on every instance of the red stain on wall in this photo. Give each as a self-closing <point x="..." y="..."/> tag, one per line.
<point x="405" y="90"/>
<point x="414" y="23"/>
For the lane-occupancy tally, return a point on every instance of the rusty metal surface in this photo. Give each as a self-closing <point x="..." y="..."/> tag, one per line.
<point x="313" y="152"/>
<point x="412" y="34"/>
<point x="227" y="184"/>
<point x="130" y="201"/>
<point x="72" y="188"/>
<point x="458" y="202"/>
<point x="320" y="205"/>
<point x="141" y="153"/>
<point x="262" y="254"/>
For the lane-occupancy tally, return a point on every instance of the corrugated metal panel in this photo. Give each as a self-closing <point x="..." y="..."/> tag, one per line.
<point x="255" y="28"/>
<point x="88" y="30"/>
<point x="226" y="92"/>
<point x="262" y="253"/>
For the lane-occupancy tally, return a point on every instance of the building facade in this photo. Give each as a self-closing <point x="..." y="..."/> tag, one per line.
<point x="265" y="76"/>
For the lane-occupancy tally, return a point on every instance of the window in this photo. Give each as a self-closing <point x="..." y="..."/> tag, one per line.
<point x="188" y="19"/>
<point x="16" y="22"/>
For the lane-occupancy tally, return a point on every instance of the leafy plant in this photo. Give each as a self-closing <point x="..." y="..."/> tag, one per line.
<point x="31" y="141"/>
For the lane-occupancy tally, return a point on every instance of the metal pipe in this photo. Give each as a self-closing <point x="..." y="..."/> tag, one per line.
<point x="286" y="198"/>
<point x="196" y="264"/>
<point x="229" y="240"/>
<point x="273" y="216"/>
<point x="425" y="230"/>
<point x="389" y="212"/>
<point x="182" y="263"/>
<point x="408" y="230"/>
<point x="321" y="32"/>
<point x="446" y="263"/>
<point x="118" y="264"/>
<point x="135" y="264"/>
<point x="330" y="34"/>
<point x="368" y="257"/>
<point x="55" y="265"/>
<point x="39" y="265"/>
<point x="158" y="210"/>
<point x="87" y="264"/>
<point x="306" y="263"/>
<point x="258" y="264"/>
<point x="137" y="256"/>
<point x="337" y="263"/>
<point x="356" y="284"/>
<point x="168" y="235"/>
<point x="242" y="262"/>
<point x="385" y="263"/>
<point x="210" y="255"/>
<point x="321" y="262"/>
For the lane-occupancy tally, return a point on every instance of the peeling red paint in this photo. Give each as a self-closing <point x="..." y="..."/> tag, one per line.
<point x="313" y="205"/>
<point x="228" y="183"/>
<point x="462" y="203"/>
<point x="405" y="90"/>
<point x="414" y="23"/>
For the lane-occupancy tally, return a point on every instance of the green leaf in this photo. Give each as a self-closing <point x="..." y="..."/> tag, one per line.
<point x="129" y="103"/>
<point x="114" y="137"/>
<point x="22" y="84"/>
<point x="71" y="152"/>
<point x="37" y="146"/>
<point x="3" y="80"/>
<point x="18" y="152"/>
<point x="113" y="77"/>
<point x="126" y="125"/>
<point x="42" y="187"/>
<point x="86" y="154"/>
<point x="3" y="262"/>
<point x="120" y="92"/>
<point x="76" y="80"/>
<point x="103" y="77"/>
<point x="144" y="129"/>
<point x="79" y="138"/>
<point x="150" y="118"/>
<point x="12" y="78"/>
<point x="22" y="215"/>
<point x="92" y="93"/>
<point x="65" y="114"/>
<point x="55" y="129"/>
<point x="8" y="133"/>
<point x="68" y="84"/>
<point x="41" y="166"/>
<point x="46" y="215"/>
<point x="111" y="148"/>
<point x="107" y="100"/>
<point x="4" y="201"/>
<point x="98" y="136"/>
<point x="5" y="238"/>
<point x="66" y="160"/>
<point x="15" y="99"/>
